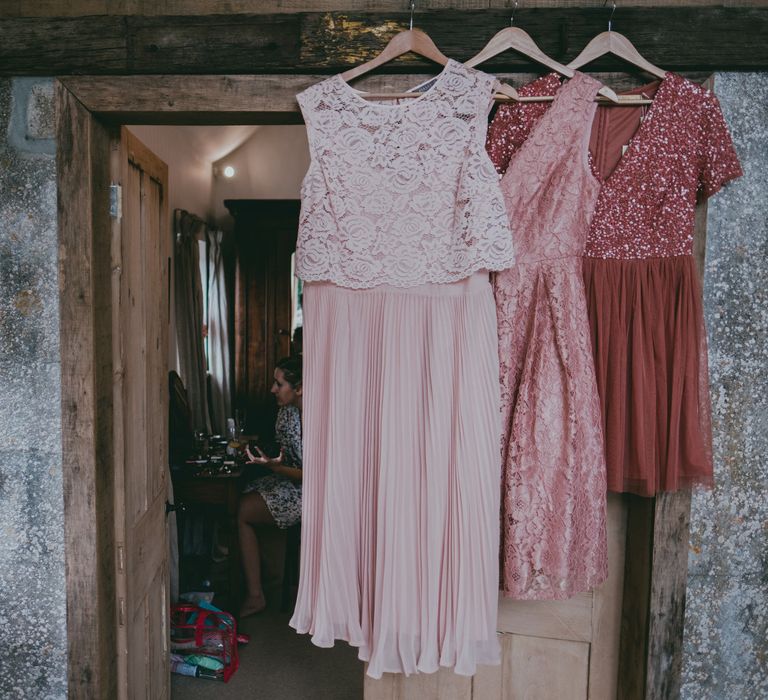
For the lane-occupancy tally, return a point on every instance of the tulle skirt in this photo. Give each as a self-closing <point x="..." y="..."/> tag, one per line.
<point x="647" y="327"/>
<point x="400" y="517"/>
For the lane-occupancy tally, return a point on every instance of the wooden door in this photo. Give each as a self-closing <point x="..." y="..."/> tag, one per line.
<point x="550" y="650"/>
<point x="140" y="303"/>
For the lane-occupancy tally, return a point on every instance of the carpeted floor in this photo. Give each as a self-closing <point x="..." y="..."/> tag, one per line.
<point x="279" y="664"/>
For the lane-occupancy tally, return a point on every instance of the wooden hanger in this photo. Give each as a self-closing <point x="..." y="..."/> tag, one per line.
<point x="618" y="45"/>
<point x="409" y="41"/>
<point x="519" y="40"/>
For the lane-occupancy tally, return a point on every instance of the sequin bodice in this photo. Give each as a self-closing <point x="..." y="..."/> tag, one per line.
<point x="548" y="188"/>
<point x="646" y="205"/>
<point x="401" y="194"/>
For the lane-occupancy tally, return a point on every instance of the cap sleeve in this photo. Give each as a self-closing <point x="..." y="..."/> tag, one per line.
<point x="718" y="162"/>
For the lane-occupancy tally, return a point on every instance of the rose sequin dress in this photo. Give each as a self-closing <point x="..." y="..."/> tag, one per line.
<point x="643" y="290"/>
<point x="553" y="507"/>
<point x="402" y="217"/>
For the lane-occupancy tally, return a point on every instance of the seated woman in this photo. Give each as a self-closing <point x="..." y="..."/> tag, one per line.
<point x="276" y="498"/>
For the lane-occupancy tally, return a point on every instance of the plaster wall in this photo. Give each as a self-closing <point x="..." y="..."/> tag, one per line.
<point x="33" y="644"/>
<point x="726" y="625"/>
<point x="269" y="165"/>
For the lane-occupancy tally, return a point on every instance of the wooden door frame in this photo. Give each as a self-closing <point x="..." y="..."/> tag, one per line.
<point x="87" y="109"/>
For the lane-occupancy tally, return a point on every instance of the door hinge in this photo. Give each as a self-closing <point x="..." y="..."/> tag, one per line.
<point x="116" y="201"/>
<point x="121" y="612"/>
<point x="120" y="558"/>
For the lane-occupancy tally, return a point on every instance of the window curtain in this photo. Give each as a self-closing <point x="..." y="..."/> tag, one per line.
<point x="188" y="305"/>
<point x="219" y="357"/>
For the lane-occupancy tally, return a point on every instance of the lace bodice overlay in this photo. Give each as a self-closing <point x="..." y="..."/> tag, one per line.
<point x="401" y="194"/>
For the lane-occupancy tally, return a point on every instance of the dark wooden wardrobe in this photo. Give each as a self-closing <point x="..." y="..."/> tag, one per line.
<point x="265" y="240"/>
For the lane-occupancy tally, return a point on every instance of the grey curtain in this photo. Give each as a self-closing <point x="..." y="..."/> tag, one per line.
<point x="188" y="305"/>
<point x="219" y="357"/>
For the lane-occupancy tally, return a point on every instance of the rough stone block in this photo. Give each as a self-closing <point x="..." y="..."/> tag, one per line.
<point x="41" y="112"/>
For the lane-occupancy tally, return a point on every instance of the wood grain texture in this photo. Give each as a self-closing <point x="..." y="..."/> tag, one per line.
<point x="82" y="157"/>
<point x="555" y="619"/>
<point x="544" y="669"/>
<point x="265" y="238"/>
<point x="54" y="8"/>
<point x="443" y="684"/>
<point x="141" y="351"/>
<point x="382" y="689"/>
<point x="606" y="608"/>
<point x="676" y="38"/>
<point x="667" y="595"/>
<point x="487" y="682"/>
<point x="633" y="648"/>
<point x="240" y="99"/>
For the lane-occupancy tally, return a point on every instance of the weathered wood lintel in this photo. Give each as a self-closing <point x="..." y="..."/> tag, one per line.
<point x="238" y="99"/>
<point x="677" y="38"/>
<point x="86" y="351"/>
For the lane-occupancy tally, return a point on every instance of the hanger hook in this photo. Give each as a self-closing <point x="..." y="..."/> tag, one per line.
<point x="512" y="16"/>
<point x="613" y="9"/>
<point x="413" y="7"/>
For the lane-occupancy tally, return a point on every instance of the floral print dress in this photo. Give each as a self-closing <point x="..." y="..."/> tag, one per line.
<point x="281" y="494"/>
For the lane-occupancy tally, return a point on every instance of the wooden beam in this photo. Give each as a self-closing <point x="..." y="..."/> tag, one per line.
<point x="238" y="99"/>
<point x="666" y="615"/>
<point x="77" y="8"/>
<point x="677" y="38"/>
<point x="86" y="347"/>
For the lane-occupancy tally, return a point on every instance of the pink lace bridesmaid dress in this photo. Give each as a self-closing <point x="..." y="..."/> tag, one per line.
<point x="402" y="217"/>
<point x="553" y="535"/>
<point x="653" y="164"/>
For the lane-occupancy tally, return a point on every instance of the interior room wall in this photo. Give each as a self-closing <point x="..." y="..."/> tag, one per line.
<point x="269" y="165"/>
<point x="189" y="152"/>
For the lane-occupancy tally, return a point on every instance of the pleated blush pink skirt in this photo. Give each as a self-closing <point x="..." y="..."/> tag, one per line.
<point x="400" y="513"/>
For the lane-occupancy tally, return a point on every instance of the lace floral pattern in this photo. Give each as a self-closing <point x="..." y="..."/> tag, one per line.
<point x="401" y="194"/>
<point x="553" y="535"/>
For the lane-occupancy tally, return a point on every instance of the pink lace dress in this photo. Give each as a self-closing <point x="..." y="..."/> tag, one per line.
<point x="553" y="536"/>
<point x="402" y="217"/>
<point x="643" y="290"/>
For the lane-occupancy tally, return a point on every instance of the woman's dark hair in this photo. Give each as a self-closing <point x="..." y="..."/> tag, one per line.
<point x="291" y="368"/>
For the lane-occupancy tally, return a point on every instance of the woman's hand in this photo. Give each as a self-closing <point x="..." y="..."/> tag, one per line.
<point x="260" y="458"/>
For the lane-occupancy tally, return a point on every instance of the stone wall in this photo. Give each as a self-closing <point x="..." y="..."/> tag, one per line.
<point x="32" y="589"/>
<point x="726" y="627"/>
<point x="726" y="630"/>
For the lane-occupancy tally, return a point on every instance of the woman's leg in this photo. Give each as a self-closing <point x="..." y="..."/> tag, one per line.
<point x="252" y="511"/>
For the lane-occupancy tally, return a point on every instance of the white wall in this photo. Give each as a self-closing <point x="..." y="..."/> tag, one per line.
<point x="270" y="162"/>
<point x="189" y="173"/>
<point x="269" y="165"/>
